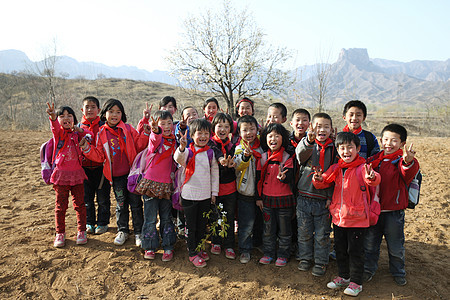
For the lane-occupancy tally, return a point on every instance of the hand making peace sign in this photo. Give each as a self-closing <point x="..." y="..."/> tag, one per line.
<point x="408" y="154"/>
<point x="51" y="111"/>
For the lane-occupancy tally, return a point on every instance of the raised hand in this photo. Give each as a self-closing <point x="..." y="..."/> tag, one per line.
<point x="333" y="133"/>
<point x="183" y="122"/>
<point x="183" y="141"/>
<point x="154" y="125"/>
<point x="224" y="161"/>
<point x="147" y="111"/>
<point x="51" y="111"/>
<point x="147" y="128"/>
<point x="247" y="150"/>
<point x="408" y="154"/>
<point x="83" y="144"/>
<point x="311" y="133"/>
<point x="281" y="174"/>
<point x="370" y="173"/>
<point x="317" y="175"/>
<point x="231" y="162"/>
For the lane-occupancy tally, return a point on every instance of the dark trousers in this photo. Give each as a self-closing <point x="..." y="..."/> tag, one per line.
<point x="125" y="202"/>
<point x="229" y="206"/>
<point x="195" y="222"/>
<point x="277" y="225"/>
<point x="97" y="184"/>
<point x="349" y="244"/>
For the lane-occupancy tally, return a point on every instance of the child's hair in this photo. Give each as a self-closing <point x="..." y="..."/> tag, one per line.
<point x="396" y="128"/>
<point x="222" y="117"/>
<point x="355" y="103"/>
<point x="281" y="107"/>
<point x="245" y="99"/>
<point x="199" y="124"/>
<point x="212" y="99"/>
<point x="162" y="115"/>
<point x="347" y="138"/>
<point x="108" y="105"/>
<point x="278" y="128"/>
<point x="61" y="109"/>
<point x="323" y="116"/>
<point x="188" y="107"/>
<point x="246" y="119"/>
<point x="301" y="111"/>
<point x="166" y="100"/>
<point x="92" y="99"/>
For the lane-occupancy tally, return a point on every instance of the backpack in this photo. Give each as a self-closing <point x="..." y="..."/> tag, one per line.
<point x="179" y="179"/>
<point x="413" y="188"/>
<point x="48" y="158"/>
<point x="370" y="196"/>
<point x="369" y="142"/>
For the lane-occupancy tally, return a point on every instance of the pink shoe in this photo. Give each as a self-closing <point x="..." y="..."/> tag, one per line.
<point x="168" y="255"/>
<point x="60" y="240"/>
<point x="281" y="262"/>
<point x="81" y="238"/>
<point x="197" y="261"/>
<point x="204" y="255"/>
<point x="229" y="253"/>
<point x="265" y="260"/>
<point x="215" y="249"/>
<point x="149" y="254"/>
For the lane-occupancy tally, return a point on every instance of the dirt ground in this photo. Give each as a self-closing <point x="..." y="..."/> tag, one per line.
<point x="31" y="268"/>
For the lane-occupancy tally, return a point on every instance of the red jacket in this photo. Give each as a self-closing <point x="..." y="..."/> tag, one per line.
<point x="272" y="186"/>
<point x="86" y="125"/>
<point x="134" y="141"/>
<point x="348" y="208"/>
<point x="395" y="177"/>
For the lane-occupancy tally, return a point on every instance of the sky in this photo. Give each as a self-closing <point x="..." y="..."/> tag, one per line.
<point x="141" y="32"/>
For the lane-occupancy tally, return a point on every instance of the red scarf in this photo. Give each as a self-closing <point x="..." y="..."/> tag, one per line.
<point x="170" y="142"/>
<point x="382" y="157"/>
<point x="256" y="144"/>
<point x="93" y="126"/>
<point x="209" y="118"/>
<point x="275" y="156"/>
<point x="357" y="131"/>
<point x="221" y="143"/>
<point x="190" y="167"/>
<point x="322" y="151"/>
<point x="343" y="165"/>
<point x="117" y="133"/>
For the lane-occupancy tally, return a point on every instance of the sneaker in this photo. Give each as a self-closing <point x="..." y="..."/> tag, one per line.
<point x="319" y="270"/>
<point x="168" y="255"/>
<point x="215" y="249"/>
<point x="353" y="289"/>
<point x="367" y="277"/>
<point x="197" y="261"/>
<point x="304" y="265"/>
<point x="281" y="262"/>
<point x="338" y="282"/>
<point x="244" y="258"/>
<point x="401" y="281"/>
<point x="138" y="240"/>
<point x="101" y="229"/>
<point x="204" y="255"/>
<point x="60" y="240"/>
<point x="90" y="229"/>
<point x="121" y="238"/>
<point x="229" y="253"/>
<point x="333" y="254"/>
<point x="265" y="260"/>
<point x="149" y="254"/>
<point x="81" y="238"/>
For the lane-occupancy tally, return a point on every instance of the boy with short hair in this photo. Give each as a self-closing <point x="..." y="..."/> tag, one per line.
<point x="397" y="168"/>
<point x="301" y="119"/>
<point x="355" y="113"/>
<point x="95" y="184"/>
<point x="188" y="114"/>
<point x="276" y="113"/>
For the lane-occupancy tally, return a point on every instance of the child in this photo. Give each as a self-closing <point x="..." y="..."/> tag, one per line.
<point x="210" y="108"/>
<point x="95" y="183"/>
<point x="397" y="169"/>
<point x="244" y="107"/>
<point x="299" y="124"/>
<point x="68" y="174"/>
<point x="348" y="209"/>
<point x="117" y="145"/>
<point x="275" y="197"/>
<point x="222" y="125"/>
<point x="246" y="155"/>
<point x="316" y="150"/>
<point x="188" y="114"/>
<point x="355" y="113"/>
<point x="168" y="103"/>
<point x="200" y="187"/>
<point x="156" y="186"/>
<point x="276" y="113"/>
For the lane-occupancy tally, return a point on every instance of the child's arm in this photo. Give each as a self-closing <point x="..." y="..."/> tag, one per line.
<point x="140" y="139"/>
<point x="180" y="155"/>
<point x="54" y="124"/>
<point x="319" y="178"/>
<point x="214" y="180"/>
<point x="371" y="177"/>
<point x="241" y="159"/>
<point x="304" y="150"/>
<point x="94" y="153"/>
<point x="286" y="174"/>
<point x="408" y="165"/>
<point x="146" y="113"/>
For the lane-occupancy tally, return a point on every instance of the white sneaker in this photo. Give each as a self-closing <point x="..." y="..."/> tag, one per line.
<point x="120" y="239"/>
<point x="138" y="240"/>
<point x="353" y="289"/>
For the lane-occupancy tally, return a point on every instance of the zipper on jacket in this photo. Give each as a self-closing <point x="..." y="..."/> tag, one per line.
<point x="342" y="198"/>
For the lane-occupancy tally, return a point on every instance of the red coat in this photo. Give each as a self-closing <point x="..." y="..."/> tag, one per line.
<point x="272" y="186"/>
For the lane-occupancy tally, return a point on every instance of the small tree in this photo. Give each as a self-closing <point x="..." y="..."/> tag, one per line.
<point x="225" y="53"/>
<point x="319" y="83"/>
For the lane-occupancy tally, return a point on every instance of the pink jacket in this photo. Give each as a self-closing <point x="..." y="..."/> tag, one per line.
<point x="347" y="208"/>
<point x="162" y="171"/>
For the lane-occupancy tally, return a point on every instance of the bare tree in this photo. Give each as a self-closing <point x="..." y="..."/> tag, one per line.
<point x="319" y="83"/>
<point x="224" y="52"/>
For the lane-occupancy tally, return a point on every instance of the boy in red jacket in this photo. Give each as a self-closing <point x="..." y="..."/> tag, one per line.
<point x="397" y="168"/>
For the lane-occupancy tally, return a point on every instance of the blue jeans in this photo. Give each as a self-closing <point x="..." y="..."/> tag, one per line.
<point x="124" y="200"/>
<point x="277" y="224"/>
<point x="229" y="206"/>
<point x="91" y="188"/>
<point x="390" y="224"/>
<point x="150" y="237"/>
<point x="246" y="219"/>
<point x="314" y="227"/>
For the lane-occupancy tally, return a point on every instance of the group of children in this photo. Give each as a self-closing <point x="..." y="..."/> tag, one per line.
<point x="282" y="188"/>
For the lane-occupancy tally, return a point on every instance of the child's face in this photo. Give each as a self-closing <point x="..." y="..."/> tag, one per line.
<point x="391" y="142"/>
<point x="222" y="129"/>
<point x="323" y="129"/>
<point x="300" y="124"/>
<point x="166" y="126"/>
<point x="274" y="141"/>
<point x="274" y="116"/>
<point x="211" y="109"/>
<point x="245" y="108"/>
<point x="90" y="110"/>
<point x="248" y="132"/>
<point x="201" y="138"/>
<point x="190" y="114"/>
<point x="354" y="117"/>
<point x="66" y="120"/>
<point x="113" y="116"/>
<point x="348" y="152"/>
<point x="169" y="107"/>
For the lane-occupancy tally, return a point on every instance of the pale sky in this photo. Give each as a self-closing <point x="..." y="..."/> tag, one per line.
<point x="139" y="32"/>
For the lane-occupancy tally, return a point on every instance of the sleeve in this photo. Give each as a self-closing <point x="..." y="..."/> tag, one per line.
<point x="142" y="122"/>
<point x="154" y="140"/>
<point x="408" y="172"/>
<point x="140" y="139"/>
<point x="304" y="150"/>
<point x="95" y="153"/>
<point x="322" y="184"/>
<point x="214" y="177"/>
<point x="376" y="147"/>
<point x="181" y="157"/>
<point x="288" y="165"/>
<point x="374" y="182"/>
<point x="258" y="176"/>
<point x="55" y="127"/>
<point x="241" y="161"/>
<point x="217" y="152"/>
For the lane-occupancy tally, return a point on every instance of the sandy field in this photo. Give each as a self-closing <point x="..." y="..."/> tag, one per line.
<point x="30" y="268"/>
